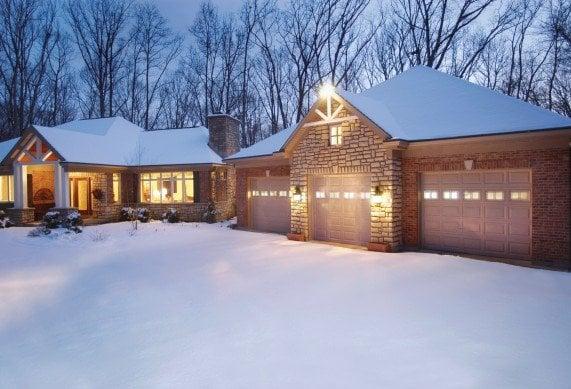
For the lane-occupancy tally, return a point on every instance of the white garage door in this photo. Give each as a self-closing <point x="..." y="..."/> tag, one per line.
<point x="478" y="212"/>
<point x="341" y="209"/>
<point x="270" y="204"/>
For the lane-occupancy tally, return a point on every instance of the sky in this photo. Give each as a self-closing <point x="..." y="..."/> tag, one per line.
<point x="180" y="13"/>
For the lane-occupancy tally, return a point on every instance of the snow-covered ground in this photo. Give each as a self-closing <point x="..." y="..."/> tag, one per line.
<point x="205" y="306"/>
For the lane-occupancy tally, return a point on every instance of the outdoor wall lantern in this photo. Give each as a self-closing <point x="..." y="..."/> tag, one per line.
<point x="377" y="196"/>
<point x="297" y="194"/>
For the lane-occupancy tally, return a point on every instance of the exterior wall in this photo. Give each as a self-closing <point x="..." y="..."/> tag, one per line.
<point x="363" y="151"/>
<point x="551" y="206"/>
<point x="243" y="176"/>
<point x="21" y="216"/>
<point x="104" y="209"/>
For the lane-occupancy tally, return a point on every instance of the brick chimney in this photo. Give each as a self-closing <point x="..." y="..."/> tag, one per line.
<point x="224" y="134"/>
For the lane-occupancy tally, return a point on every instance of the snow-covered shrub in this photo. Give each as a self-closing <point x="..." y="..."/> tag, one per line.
<point x="39" y="231"/>
<point x="52" y="219"/>
<point x="171" y="216"/>
<point x="73" y="222"/>
<point x="131" y="214"/>
<point x="99" y="236"/>
<point x="5" y="221"/>
<point x="210" y="215"/>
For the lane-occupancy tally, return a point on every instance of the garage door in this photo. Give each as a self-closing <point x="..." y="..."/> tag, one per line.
<point x="270" y="204"/>
<point x="480" y="212"/>
<point x="341" y="209"/>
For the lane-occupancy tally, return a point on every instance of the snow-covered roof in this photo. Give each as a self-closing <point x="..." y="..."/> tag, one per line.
<point x="267" y="146"/>
<point x="423" y="103"/>
<point x="116" y="141"/>
<point x="6" y="146"/>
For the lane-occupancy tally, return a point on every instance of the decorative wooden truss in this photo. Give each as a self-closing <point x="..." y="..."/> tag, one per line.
<point x="35" y="151"/>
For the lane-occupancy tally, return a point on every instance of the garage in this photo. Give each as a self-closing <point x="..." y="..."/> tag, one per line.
<point x="477" y="212"/>
<point x="341" y="209"/>
<point x="270" y="204"/>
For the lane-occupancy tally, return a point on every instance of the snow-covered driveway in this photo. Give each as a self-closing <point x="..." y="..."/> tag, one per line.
<point x="205" y="306"/>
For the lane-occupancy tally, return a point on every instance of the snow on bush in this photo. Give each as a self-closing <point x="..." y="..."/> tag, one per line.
<point x="53" y="220"/>
<point x="171" y="216"/>
<point x="210" y="215"/>
<point x="5" y="221"/>
<point x="131" y="214"/>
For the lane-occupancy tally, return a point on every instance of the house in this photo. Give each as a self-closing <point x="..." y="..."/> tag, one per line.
<point x="99" y="166"/>
<point x="424" y="161"/>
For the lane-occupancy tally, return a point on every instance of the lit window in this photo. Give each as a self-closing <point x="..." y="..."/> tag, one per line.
<point x="450" y="195"/>
<point x="264" y="193"/>
<point x="283" y="193"/>
<point x="349" y="195"/>
<point x="333" y="195"/>
<point x="430" y="195"/>
<point x="116" y="188"/>
<point x="520" y="195"/>
<point x="255" y="193"/>
<point x="495" y="195"/>
<point x="365" y="195"/>
<point x="336" y="136"/>
<point x="6" y="188"/>
<point x="319" y="195"/>
<point x="471" y="195"/>
<point x="273" y="193"/>
<point x="167" y="188"/>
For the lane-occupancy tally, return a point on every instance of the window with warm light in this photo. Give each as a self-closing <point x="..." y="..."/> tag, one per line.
<point x="167" y="188"/>
<point x="283" y="193"/>
<point x="336" y="136"/>
<point x="450" y="195"/>
<point x="6" y="189"/>
<point x="116" y="188"/>
<point x="471" y="195"/>
<point x="319" y="195"/>
<point x="430" y="195"/>
<point x="520" y="195"/>
<point x="494" y="195"/>
<point x="348" y="195"/>
<point x="255" y="193"/>
<point x="334" y="195"/>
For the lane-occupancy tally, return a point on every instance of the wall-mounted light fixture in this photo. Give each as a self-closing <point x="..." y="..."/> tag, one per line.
<point x="377" y="196"/>
<point x="297" y="194"/>
<point x="326" y="90"/>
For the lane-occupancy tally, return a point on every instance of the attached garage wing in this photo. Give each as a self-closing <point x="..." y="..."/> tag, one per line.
<point x="270" y="204"/>
<point x="478" y="212"/>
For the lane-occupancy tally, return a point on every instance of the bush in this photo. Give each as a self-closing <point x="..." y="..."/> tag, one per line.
<point x="171" y="216"/>
<point x="5" y="221"/>
<point x="52" y="220"/>
<point x="73" y="222"/>
<point x="131" y="214"/>
<point x="210" y="215"/>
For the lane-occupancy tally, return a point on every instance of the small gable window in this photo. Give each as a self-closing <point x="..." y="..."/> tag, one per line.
<point x="335" y="136"/>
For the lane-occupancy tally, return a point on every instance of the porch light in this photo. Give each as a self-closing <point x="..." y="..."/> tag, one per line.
<point x="326" y="90"/>
<point x="297" y="194"/>
<point x="377" y="196"/>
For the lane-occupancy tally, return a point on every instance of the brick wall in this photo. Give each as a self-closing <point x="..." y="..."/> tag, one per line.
<point x="224" y="134"/>
<point x="550" y="200"/>
<point x="362" y="152"/>
<point x="242" y="176"/>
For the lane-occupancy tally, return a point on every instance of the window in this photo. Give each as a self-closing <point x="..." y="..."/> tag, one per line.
<point x="450" y="195"/>
<point x="283" y="193"/>
<point x="494" y="195"/>
<point x="255" y="193"/>
<point x="520" y="195"/>
<point x="273" y="193"/>
<point x="336" y="136"/>
<point x="365" y="195"/>
<point x="334" y="195"/>
<point x="319" y="195"/>
<point x="6" y="188"/>
<point x="430" y="195"/>
<point x="471" y="195"/>
<point x="167" y="188"/>
<point x="264" y="193"/>
<point x="116" y="188"/>
<point x="349" y="195"/>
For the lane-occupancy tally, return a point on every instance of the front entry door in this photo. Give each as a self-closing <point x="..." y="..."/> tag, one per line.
<point x="80" y="194"/>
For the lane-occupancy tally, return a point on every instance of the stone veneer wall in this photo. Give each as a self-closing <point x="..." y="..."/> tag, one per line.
<point x="242" y="181"/>
<point x="361" y="152"/>
<point x="103" y="209"/>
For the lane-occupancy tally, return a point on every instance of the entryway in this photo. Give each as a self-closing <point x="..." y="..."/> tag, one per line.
<point x="80" y="194"/>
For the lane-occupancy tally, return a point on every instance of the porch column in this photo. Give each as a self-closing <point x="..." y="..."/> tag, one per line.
<point x="20" y="186"/>
<point x="61" y="186"/>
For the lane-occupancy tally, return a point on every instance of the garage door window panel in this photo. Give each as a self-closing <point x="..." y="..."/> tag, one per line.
<point x="451" y="195"/>
<point x="430" y="195"/>
<point x="494" y="195"/>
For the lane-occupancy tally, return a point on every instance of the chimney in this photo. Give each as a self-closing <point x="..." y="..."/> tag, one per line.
<point x="224" y="134"/>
